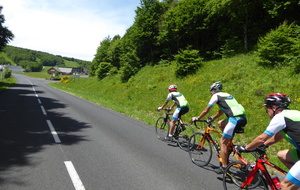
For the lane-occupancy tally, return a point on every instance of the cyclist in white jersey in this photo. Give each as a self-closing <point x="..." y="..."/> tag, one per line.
<point x="285" y="123"/>
<point x="235" y="122"/>
<point x="182" y="107"/>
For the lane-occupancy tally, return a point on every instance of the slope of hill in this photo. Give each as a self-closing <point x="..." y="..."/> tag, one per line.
<point x="32" y="60"/>
<point x="240" y="75"/>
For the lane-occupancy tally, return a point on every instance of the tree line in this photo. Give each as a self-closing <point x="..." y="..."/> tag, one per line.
<point x="33" y="61"/>
<point x="189" y="31"/>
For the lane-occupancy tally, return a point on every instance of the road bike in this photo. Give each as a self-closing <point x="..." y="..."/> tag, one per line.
<point x="182" y="130"/>
<point x="201" y="145"/>
<point x="242" y="175"/>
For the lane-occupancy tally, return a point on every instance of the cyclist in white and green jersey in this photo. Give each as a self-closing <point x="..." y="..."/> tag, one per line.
<point x="182" y="107"/>
<point x="235" y="113"/>
<point x="284" y="124"/>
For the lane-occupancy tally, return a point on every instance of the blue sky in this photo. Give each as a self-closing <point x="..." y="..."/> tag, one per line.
<point x="72" y="28"/>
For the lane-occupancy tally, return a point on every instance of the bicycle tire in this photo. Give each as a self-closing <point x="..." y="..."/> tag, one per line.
<point x="161" y="128"/>
<point x="236" y="173"/>
<point x="199" y="154"/>
<point x="184" y="136"/>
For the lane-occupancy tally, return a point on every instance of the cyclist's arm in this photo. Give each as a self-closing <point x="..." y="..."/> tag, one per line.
<point x="274" y="139"/>
<point x="261" y="139"/>
<point x="173" y="105"/>
<point x="165" y="103"/>
<point x="218" y="114"/>
<point x="204" y="112"/>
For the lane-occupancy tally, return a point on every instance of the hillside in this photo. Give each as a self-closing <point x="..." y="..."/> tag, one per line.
<point x="34" y="61"/>
<point x="240" y="75"/>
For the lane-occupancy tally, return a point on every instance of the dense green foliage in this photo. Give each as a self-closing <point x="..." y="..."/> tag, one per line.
<point x="5" y="34"/>
<point x="215" y="28"/>
<point x="188" y="61"/>
<point x="241" y="76"/>
<point x="280" y="47"/>
<point x="33" y="61"/>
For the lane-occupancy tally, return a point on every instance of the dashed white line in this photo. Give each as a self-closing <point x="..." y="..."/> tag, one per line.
<point x="74" y="176"/>
<point x="69" y="165"/>
<point x="43" y="110"/>
<point x="53" y="132"/>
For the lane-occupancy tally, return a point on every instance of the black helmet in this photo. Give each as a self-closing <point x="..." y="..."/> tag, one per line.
<point x="277" y="99"/>
<point x="217" y="86"/>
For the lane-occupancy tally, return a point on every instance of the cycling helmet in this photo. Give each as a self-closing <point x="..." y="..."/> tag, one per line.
<point x="277" y="99"/>
<point x="217" y="86"/>
<point x="172" y="88"/>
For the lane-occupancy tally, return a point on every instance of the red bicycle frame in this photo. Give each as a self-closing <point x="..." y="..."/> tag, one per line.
<point x="259" y="166"/>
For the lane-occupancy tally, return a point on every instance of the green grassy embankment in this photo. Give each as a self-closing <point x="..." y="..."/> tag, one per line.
<point x="147" y="90"/>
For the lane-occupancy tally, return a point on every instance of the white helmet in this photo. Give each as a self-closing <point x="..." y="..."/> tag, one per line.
<point x="172" y="88"/>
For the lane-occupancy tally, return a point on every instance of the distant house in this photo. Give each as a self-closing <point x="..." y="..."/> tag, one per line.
<point x="61" y="71"/>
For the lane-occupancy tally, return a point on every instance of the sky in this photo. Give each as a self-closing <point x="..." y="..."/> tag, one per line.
<point x="70" y="28"/>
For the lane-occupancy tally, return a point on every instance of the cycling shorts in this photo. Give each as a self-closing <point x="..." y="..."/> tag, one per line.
<point x="295" y="154"/>
<point x="294" y="174"/>
<point x="179" y="112"/>
<point x="232" y="124"/>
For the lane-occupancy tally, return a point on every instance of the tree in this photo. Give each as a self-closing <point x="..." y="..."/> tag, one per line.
<point x="5" y="35"/>
<point x="146" y="30"/>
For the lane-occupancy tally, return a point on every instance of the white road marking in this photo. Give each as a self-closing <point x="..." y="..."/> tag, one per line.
<point x="74" y="176"/>
<point x="69" y="165"/>
<point x="43" y="110"/>
<point x="53" y="132"/>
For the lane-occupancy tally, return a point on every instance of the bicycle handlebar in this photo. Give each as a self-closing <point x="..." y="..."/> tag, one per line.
<point x="208" y="122"/>
<point x="166" y="109"/>
<point x="258" y="152"/>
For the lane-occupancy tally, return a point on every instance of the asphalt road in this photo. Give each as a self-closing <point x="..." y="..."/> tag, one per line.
<point x="51" y="140"/>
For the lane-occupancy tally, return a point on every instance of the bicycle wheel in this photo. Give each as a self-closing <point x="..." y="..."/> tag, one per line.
<point x="200" y="150"/>
<point x="161" y="128"/>
<point x="235" y="175"/>
<point x="183" y="137"/>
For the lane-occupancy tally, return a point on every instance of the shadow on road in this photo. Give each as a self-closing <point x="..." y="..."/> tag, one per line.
<point x="24" y="130"/>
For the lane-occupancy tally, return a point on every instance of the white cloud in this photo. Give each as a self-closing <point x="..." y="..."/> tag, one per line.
<point x="64" y="27"/>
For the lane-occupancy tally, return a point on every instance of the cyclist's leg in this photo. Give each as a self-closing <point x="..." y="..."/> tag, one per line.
<point x="292" y="179"/>
<point x="224" y="150"/>
<point x="173" y="121"/>
<point x="227" y="135"/>
<point x="183" y="110"/>
<point x="288" y="157"/>
<point x="222" y="124"/>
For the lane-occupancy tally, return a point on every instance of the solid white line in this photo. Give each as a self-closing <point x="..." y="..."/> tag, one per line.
<point x="53" y="132"/>
<point x="74" y="176"/>
<point x="43" y="110"/>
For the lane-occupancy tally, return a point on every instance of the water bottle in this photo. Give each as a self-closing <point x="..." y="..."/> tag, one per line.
<point x="276" y="181"/>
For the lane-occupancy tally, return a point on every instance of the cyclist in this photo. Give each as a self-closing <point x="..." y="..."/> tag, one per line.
<point x="236" y="118"/>
<point x="285" y="123"/>
<point x="182" y="107"/>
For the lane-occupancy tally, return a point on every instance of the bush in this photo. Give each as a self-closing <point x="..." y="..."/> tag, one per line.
<point x="279" y="47"/>
<point x="103" y="70"/>
<point x="126" y="72"/>
<point x="7" y="72"/>
<point x="188" y="62"/>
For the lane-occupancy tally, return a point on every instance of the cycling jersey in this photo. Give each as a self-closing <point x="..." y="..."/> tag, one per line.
<point x="232" y="109"/>
<point x="288" y="123"/>
<point x="178" y="98"/>
<point x="227" y="103"/>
